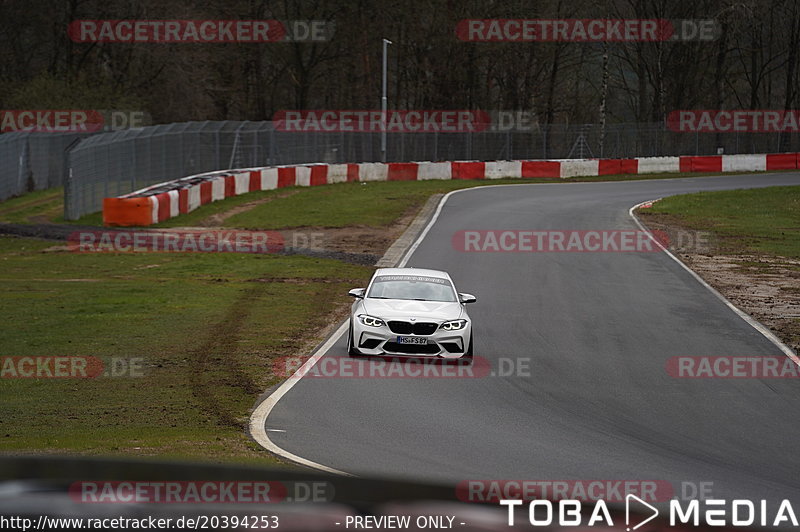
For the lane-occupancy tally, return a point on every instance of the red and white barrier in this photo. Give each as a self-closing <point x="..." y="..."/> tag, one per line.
<point x="706" y="163"/>
<point x="428" y="170"/>
<point x="579" y="167"/>
<point x="337" y="173"/>
<point x="373" y="172"/>
<point x="657" y="165"/>
<point x="166" y="200"/>
<point x="468" y="169"/>
<point x="402" y="172"/>
<point x="744" y="163"/>
<point x="534" y="169"/>
<point x="783" y="161"/>
<point x="269" y="178"/>
<point x="501" y="169"/>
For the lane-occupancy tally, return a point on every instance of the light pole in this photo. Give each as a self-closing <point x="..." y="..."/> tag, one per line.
<point x="386" y="43"/>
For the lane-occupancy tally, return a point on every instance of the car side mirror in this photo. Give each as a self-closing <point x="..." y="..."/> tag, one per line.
<point x="467" y="298"/>
<point x="357" y="292"/>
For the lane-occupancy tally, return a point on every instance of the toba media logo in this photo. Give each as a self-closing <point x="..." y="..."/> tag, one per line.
<point x="569" y="503"/>
<point x="709" y="512"/>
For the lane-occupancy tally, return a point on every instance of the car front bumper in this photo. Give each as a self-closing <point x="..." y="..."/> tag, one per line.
<point x="382" y="341"/>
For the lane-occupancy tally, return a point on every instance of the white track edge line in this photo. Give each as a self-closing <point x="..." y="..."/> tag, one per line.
<point x="437" y="212"/>
<point x="258" y="419"/>
<point x="261" y="412"/>
<point x="746" y="317"/>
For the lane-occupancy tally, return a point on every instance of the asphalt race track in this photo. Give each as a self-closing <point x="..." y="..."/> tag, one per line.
<point x="598" y="329"/>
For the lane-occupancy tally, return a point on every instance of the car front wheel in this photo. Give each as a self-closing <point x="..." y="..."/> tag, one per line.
<point x="351" y="350"/>
<point x="468" y="354"/>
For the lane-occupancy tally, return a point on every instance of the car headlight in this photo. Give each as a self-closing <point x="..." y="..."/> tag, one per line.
<point x="370" y="321"/>
<point x="453" y="325"/>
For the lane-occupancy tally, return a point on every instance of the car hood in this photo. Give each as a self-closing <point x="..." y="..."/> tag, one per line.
<point x="403" y="309"/>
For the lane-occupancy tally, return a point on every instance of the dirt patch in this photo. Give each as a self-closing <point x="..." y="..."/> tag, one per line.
<point x="765" y="287"/>
<point x="358" y="244"/>
<point x="217" y="220"/>
<point x="355" y="239"/>
<point x="24" y="206"/>
<point x="46" y="231"/>
<point x="360" y="239"/>
<point x="221" y="344"/>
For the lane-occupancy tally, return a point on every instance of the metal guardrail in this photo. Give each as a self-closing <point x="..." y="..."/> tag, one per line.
<point x="112" y="164"/>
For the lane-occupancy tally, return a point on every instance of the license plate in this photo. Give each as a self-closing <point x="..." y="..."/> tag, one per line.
<point x="411" y="340"/>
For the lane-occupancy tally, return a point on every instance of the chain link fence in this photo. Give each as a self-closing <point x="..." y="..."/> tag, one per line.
<point x="33" y="161"/>
<point x="111" y="164"/>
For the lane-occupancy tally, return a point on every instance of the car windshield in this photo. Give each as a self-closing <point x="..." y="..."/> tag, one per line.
<point x="416" y="287"/>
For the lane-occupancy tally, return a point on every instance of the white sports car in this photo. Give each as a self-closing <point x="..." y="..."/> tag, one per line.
<point x="410" y="312"/>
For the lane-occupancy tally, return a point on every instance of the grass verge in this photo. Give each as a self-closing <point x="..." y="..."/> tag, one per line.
<point x="374" y="204"/>
<point x="41" y="206"/>
<point x="203" y="328"/>
<point x="47" y="206"/>
<point x="760" y="220"/>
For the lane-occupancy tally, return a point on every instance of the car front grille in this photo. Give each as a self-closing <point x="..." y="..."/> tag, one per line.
<point x="411" y="349"/>
<point x="370" y="343"/>
<point x="405" y="327"/>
